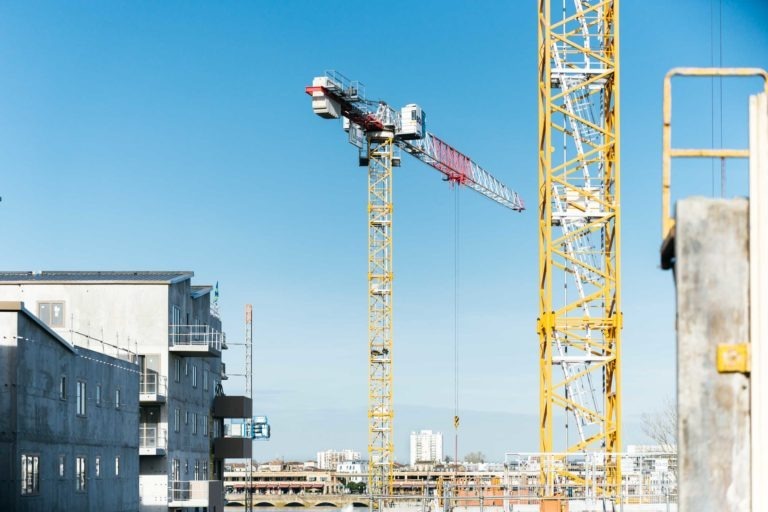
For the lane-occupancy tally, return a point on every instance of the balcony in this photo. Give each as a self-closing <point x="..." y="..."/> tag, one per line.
<point x="232" y="407"/>
<point x="195" y="340"/>
<point x="232" y="448"/>
<point x="153" y="388"/>
<point x="153" y="439"/>
<point x="196" y="493"/>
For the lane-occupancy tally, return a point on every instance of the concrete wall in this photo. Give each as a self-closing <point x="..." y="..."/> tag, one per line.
<point x="137" y="316"/>
<point x="45" y="425"/>
<point x="712" y="281"/>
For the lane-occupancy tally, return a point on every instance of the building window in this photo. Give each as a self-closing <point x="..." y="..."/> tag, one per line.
<point x="205" y="426"/>
<point x="63" y="387"/>
<point x="98" y="395"/>
<point x="30" y="475"/>
<point x="62" y="465"/>
<point x="117" y="398"/>
<point x="197" y="469"/>
<point x="186" y="417"/>
<point x="194" y="423"/>
<point x="205" y="379"/>
<point x="205" y="470"/>
<point x="177" y="370"/>
<point x="117" y="466"/>
<point x="177" y="419"/>
<point x="176" y="470"/>
<point x="186" y="467"/>
<point x="186" y="367"/>
<point x="97" y="467"/>
<point x="81" y="398"/>
<point x="51" y="313"/>
<point x="80" y="474"/>
<point x="194" y="376"/>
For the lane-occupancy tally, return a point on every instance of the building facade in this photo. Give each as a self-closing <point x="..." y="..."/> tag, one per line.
<point x="330" y="459"/>
<point x="426" y="447"/>
<point x="181" y="406"/>
<point x="68" y="420"/>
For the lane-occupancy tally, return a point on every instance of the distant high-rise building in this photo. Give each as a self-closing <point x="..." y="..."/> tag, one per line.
<point x="330" y="459"/>
<point x="426" y="446"/>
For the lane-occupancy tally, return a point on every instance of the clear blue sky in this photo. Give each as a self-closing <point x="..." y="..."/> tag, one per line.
<point x="177" y="135"/>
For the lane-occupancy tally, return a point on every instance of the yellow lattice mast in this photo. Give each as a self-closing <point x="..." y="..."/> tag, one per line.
<point x="380" y="406"/>
<point x="381" y="132"/>
<point x="579" y="258"/>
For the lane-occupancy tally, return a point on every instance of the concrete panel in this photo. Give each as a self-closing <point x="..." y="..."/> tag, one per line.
<point x="712" y="278"/>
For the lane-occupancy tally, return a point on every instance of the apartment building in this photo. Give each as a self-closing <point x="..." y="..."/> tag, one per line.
<point x="68" y="420"/>
<point x="426" y="446"/>
<point x="168" y="322"/>
<point x="330" y="459"/>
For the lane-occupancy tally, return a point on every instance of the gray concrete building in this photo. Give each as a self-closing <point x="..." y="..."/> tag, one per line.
<point x="68" y="420"/>
<point x="168" y="322"/>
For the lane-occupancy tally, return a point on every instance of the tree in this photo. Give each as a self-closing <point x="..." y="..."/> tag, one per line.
<point x="356" y="487"/>
<point x="474" y="457"/>
<point x="661" y="426"/>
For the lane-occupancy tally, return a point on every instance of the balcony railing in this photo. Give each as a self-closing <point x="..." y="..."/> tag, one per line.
<point x="195" y="337"/>
<point x="152" y="438"/>
<point x="153" y="384"/>
<point x="194" y="493"/>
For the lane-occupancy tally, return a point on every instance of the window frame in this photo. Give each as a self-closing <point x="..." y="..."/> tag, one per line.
<point x="62" y="465"/>
<point x="177" y="420"/>
<point x="98" y="395"/>
<point x="81" y="395"/>
<point x="117" y="466"/>
<point x="117" y="398"/>
<point x="63" y="388"/>
<point x="50" y="304"/>
<point x="30" y="483"/>
<point x="97" y="467"/>
<point x="81" y="473"/>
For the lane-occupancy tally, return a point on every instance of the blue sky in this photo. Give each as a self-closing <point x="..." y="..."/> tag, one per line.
<point x="177" y="135"/>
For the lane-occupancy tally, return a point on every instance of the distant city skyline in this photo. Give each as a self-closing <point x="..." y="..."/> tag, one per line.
<point x="132" y="133"/>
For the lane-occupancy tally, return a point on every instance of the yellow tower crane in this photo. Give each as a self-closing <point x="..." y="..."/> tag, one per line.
<point x="579" y="325"/>
<point x="380" y="132"/>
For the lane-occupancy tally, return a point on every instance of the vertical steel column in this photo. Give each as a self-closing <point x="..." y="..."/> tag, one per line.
<point x="249" y="394"/>
<point x="579" y="335"/>
<point x="380" y="404"/>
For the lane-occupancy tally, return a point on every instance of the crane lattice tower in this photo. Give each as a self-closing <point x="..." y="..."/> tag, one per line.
<point x="579" y="253"/>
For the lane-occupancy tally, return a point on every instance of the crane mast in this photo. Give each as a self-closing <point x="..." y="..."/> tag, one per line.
<point x="381" y="132"/>
<point x="579" y="211"/>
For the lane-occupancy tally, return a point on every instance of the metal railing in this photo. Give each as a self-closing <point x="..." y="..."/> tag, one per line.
<point x="152" y="435"/>
<point x="195" y="335"/>
<point x="196" y="491"/>
<point x="153" y="384"/>
<point x="84" y="340"/>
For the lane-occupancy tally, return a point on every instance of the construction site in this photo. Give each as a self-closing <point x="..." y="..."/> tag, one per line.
<point x="580" y="314"/>
<point x="582" y="285"/>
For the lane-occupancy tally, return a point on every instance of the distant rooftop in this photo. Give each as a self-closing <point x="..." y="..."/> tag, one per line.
<point x="88" y="276"/>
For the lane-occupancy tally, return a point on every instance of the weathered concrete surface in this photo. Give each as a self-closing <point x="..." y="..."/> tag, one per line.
<point x="712" y="278"/>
